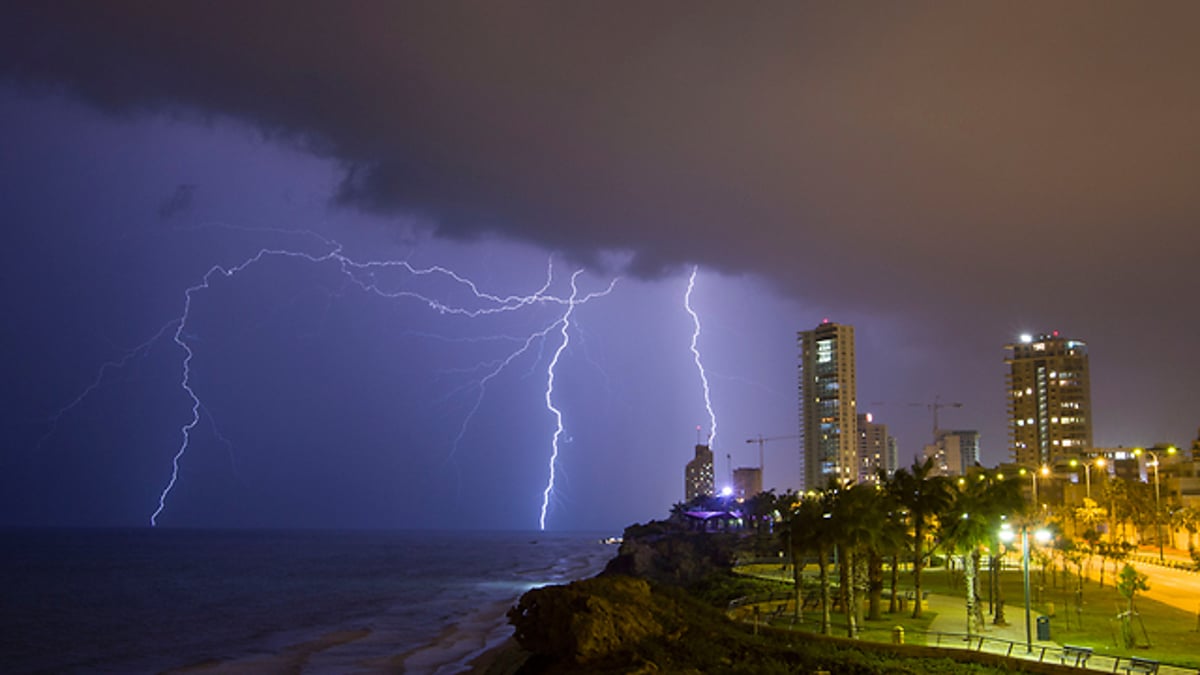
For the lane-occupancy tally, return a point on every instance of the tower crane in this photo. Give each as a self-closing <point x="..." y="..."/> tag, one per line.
<point x="935" y="407"/>
<point x="761" y="440"/>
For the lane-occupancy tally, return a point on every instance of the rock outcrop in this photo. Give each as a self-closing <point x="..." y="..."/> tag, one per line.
<point x="591" y="619"/>
<point x="667" y="553"/>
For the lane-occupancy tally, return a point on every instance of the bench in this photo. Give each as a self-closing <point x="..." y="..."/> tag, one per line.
<point x="1075" y="656"/>
<point x="1137" y="665"/>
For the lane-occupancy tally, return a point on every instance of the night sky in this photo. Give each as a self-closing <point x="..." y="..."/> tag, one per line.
<point x="943" y="176"/>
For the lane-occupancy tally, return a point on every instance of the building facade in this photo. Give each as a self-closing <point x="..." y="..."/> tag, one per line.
<point x="954" y="452"/>
<point x="698" y="476"/>
<point x="828" y="405"/>
<point x="1049" y="399"/>
<point x="876" y="450"/>
<point x="747" y="482"/>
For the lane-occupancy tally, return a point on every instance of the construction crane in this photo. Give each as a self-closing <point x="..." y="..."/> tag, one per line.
<point x="934" y="407"/>
<point x="761" y="440"/>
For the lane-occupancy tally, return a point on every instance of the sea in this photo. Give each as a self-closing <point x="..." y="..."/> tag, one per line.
<point x="157" y="600"/>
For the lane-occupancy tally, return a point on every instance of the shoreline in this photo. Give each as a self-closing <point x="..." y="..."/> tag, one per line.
<point x="480" y="641"/>
<point x="503" y="659"/>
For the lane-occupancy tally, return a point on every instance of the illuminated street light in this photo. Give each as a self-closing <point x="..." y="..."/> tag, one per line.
<point x="1033" y="475"/>
<point x="1042" y="536"/>
<point x="1087" y="471"/>
<point x="1157" y="498"/>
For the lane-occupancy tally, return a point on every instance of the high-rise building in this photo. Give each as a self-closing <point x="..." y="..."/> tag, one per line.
<point x="1049" y="399"/>
<point x="876" y="450"/>
<point x="698" y="476"/>
<point x="828" y="405"/>
<point x="954" y="452"/>
<point x="747" y="482"/>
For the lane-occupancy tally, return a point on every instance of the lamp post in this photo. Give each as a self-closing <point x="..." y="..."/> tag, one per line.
<point x="1158" y="500"/>
<point x="1087" y="471"/>
<point x="1033" y="475"/>
<point x="1006" y="535"/>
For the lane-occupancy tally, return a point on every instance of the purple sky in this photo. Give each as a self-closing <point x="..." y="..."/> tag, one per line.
<point x="943" y="177"/>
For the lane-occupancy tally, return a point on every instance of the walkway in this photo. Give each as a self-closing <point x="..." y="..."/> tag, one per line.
<point x="1008" y="639"/>
<point x="948" y="629"/>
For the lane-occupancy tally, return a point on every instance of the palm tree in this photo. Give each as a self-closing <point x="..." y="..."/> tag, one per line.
<point x="923" y="495"/>
<point x="811" y="530"/>
<point x="855" y="516"/>
<point x="888" y="541"/>
<point x="760" y="508"/>
<point x="979" y="506"/>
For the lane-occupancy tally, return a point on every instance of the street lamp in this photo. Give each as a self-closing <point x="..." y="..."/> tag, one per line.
<point x="1033" y="475"/>
<point x="1157" y="498"/>
<point x="1042" y="536"/>
<point x="1087" y="471"/>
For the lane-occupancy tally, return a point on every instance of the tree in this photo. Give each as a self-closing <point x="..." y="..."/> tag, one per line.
<point x="1129" y="583"/>
<point x="922" y="495"/>
<point x="972" y="522"/>
<point x="1187" y="518"/>
<point x="887" y="541"/>
<point x="811" y="531"/>
<point x="678" y="509"/>
<point x="1117" y="552"/>
<point x="859" y="516"/>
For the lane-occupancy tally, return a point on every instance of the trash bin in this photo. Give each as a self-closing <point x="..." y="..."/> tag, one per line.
<point x="1043" y="628"/>
<point x="898" y="635"/>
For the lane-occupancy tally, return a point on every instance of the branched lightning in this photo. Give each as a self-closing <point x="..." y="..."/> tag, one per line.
<point x="687" y="303"/>
<point x="365" y="276"/>
<point x="115" y="364"/>
<point x="565" y="324"/>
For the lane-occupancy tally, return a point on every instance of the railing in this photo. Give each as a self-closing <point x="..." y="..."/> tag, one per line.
<point x="763" y="608"/>
<point x="1173" y="563"/>
<point x="1107" y="663"/>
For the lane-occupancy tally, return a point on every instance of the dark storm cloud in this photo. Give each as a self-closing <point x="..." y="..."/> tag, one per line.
<point x="918" y="142"/>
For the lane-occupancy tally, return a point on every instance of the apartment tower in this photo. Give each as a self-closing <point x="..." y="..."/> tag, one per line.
<point x="828" y="405"/>
<point x="698" y="479"/>
<point x="1049" y="399"/>
<point x="876" y="450"/>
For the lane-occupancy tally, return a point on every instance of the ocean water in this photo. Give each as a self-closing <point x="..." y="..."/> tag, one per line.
<point x="146" y="601"/>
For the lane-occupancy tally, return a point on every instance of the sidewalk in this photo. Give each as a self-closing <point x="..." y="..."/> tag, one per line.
<point x="1009" y="639"/>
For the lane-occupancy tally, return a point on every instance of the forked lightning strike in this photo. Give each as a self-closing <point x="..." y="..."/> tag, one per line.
<point x="364" y="276"/>
<point x="687" y="303"/>
<point x="558" y="417"/>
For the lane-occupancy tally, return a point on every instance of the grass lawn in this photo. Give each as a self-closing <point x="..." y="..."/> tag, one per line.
<point x="1170" y="634"/>
<point x="877" y="631"/>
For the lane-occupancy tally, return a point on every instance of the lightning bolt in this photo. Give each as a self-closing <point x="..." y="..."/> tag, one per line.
<point x="687" y="304"/>
<point x="558" y="417"/>
<point x="365" y="275"/>
<point x="115" y="364"/>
